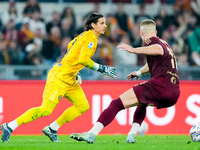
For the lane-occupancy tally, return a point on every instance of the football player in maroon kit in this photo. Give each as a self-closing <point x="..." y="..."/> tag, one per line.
<point x="161" y="91"/>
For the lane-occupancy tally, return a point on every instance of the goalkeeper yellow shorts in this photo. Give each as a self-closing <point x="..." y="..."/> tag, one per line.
<point x="55" y="89"/>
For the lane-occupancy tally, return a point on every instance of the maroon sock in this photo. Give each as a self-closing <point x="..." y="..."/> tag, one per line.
<point x="109" y="113"/>
<point x="139" y="114"/>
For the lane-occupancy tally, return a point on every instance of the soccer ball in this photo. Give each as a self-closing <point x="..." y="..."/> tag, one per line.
<point x="195" y="133"/>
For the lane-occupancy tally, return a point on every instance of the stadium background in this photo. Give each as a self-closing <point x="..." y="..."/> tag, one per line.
<point x="22" y="82"/>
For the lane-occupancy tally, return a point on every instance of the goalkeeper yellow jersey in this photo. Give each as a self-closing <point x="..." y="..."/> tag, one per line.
<point x="78" y="56"/>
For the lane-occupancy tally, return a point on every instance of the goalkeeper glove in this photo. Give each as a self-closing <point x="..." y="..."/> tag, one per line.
<point x="78" y="78"/>
<point x="106" y="70"/>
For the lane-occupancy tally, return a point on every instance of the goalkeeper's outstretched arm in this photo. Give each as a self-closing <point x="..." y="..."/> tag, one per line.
<point x="106" y="70"/>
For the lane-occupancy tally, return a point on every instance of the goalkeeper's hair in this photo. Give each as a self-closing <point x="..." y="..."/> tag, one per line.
<point x="92" y="18"/>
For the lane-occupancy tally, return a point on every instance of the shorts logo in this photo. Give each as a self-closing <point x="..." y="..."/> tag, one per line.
<point x="90" y="45"/>
<point x="59" y="97"/>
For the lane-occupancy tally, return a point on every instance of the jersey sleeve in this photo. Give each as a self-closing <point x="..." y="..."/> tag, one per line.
<point x="87" y="51"/>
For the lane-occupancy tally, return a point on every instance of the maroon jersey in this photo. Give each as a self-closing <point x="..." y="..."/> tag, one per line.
<point x="163" y="88"/>
<point x="163" y="65"/>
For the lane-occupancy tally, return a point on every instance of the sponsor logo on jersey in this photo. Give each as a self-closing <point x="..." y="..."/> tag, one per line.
<point x="90" y="45"/>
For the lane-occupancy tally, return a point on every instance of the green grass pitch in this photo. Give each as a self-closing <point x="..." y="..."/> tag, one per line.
<point x="103" y="142"/>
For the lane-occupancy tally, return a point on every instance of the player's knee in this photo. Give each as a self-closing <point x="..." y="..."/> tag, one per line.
<point x="46" y="111"/>
<point x="116" y="104"/>
<point x="83" y="107"/>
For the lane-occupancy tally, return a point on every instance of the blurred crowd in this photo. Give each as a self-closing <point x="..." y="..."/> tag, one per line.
<point x="30" y="40"/>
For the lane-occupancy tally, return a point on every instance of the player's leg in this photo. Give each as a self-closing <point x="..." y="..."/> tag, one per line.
<point x="129" y="99"/>
<point x="138" y="118"/>
<point x="77" y="97"/>
<point x="126" y="100"/>
<point x="144" y="92"/>
<point x="54" y="90"/>
<point x="151" y="94"/>
<point x="81" y="105"/>
<point x="105" y="118"/>
<point x="32" y="114"/>
<point x="132" y="98"/>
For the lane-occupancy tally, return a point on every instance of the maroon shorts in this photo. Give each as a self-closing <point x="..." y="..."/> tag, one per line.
<point x="159" y="91"/>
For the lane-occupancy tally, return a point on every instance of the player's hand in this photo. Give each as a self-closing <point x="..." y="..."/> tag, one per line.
<point x="78" y="78"/>
<point x="109" y="71"/>
<point x="126" y="47"/>
<point x="132" y="75"/>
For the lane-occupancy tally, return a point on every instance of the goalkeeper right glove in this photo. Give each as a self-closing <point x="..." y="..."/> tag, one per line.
<point x="106" y="70"/>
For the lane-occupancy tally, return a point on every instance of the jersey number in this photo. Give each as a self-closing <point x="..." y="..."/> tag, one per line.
<point x="173" y="60"/>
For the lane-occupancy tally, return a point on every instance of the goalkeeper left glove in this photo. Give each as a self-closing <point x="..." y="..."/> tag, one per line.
<point x="78" y="78"/>
<point x="106" y="70"/>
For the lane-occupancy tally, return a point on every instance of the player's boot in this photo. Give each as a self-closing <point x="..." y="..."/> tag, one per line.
<point x="86" y="136"/>
<point x="52" y="136"/>
<point x="131" y="138"/>
<point x="5" y="132"/>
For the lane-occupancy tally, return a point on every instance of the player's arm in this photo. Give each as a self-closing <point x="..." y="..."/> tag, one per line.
<point x="106" y="70"/>
<point x="144" y="69"/>
<point x="137" y="74"/>
<point x="86" y="53"/>
<point x="154" y="49"/>
<point x="85" y="60"/>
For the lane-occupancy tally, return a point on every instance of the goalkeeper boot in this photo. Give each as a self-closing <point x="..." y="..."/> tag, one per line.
<point x="86" y="136"/>
<point x="51" y="134"/>
<point x="6" y="132"/>
<point x="131" y="138"/>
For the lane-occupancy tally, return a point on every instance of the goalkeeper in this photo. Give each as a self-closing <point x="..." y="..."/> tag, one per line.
<point x="61" y="81"/>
